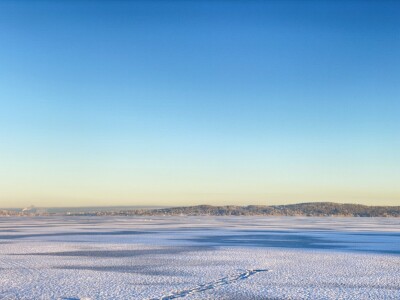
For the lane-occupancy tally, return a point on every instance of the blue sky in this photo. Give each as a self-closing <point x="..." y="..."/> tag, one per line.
<point x="184" y="102"/>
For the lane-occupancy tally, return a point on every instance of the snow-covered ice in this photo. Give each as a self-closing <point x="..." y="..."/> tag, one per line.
<point x="199" y="258"/>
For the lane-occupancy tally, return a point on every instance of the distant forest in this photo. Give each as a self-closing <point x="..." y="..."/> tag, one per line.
<point x="314" y="209"/>
<point x="319" y="209"/>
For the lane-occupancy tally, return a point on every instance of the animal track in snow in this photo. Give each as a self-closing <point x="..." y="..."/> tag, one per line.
<point x="212" y="285"/>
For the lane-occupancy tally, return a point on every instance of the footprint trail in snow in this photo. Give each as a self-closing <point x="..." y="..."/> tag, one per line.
<point x="212" y="285"/>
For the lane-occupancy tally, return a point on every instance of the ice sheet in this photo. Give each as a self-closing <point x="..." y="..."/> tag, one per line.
<point x="199" y="258"/>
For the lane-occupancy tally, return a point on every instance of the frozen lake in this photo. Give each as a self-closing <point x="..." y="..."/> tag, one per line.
<point x="199" y="258"/>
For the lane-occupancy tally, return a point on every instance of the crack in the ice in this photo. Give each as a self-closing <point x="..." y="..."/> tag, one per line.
<point x="212" y="285"/>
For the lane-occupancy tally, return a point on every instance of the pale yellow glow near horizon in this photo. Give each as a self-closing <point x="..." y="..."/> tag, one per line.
<point x="64" y="190"/>
<point x="103" y="198"/>
<point x="100" y="181"/>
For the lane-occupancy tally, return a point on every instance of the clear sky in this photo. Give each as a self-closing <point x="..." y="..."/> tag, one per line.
<point x="199" y="102"/>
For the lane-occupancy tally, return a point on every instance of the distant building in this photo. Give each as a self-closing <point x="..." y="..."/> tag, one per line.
<point x="29" y="210"/>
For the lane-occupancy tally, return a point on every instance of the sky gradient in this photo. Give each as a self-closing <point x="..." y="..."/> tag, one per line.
<point x="199" y="102"/>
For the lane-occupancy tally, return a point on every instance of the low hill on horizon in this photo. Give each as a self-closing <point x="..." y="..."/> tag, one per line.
<point x="312" y="209"/>
<point x="301" y="209"/>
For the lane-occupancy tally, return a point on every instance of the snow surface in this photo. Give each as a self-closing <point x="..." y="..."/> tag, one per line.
<point x="199" y="258"/>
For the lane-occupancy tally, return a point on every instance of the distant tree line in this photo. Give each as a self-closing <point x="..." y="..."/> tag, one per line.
<point x="313" y="209"/>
